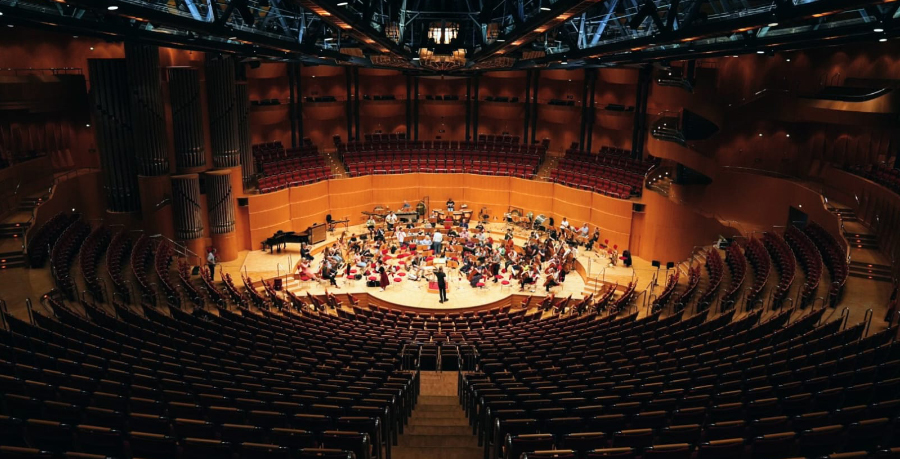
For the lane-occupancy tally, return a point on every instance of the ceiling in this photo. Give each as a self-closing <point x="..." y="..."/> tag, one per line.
<point x="490" y="34"/>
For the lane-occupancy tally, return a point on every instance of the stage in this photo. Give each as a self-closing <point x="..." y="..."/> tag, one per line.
<point x="591" y="274"/>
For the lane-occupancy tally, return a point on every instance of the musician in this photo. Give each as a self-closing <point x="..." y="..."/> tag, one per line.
<point x="391" y="220"/>
<point x="406" y="207"/>
<point x="509" y="235"/>
<point x="442" y="283"/>
<point x="304" y="252"/>
<point x="436" y="241"/>
<point x="401" y="236"/>
<point x="329" y="272"/>
<point x="594" y="238"/>
<point x="584" y="231"/>
<point x="529" y="277"/>
<point x="370" y="224"/>
<point x="552" y="234"/>
<point x="477" y="277"/>
<point x="379" y="235"/>
<point x="552" y="279"/>
<point x="564" y="224"/>
<point x="450" y="205"/>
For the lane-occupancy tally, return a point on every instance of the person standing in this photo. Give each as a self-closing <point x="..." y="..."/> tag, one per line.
<point x="211" y="263"/>
<point x="441" y="277"/>
<point x="383" y="280"/>
<point x="436" y="240"/>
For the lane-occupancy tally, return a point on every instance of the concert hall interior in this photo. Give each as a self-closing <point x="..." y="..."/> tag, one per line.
<point x="480" y="229"/>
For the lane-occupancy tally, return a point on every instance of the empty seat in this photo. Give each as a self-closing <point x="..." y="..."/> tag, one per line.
<point x="264" y="451"/>
<point x="201" y="448"/>
<point x="152" y="445"/>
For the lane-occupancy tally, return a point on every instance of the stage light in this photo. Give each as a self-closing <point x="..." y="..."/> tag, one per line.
<point x="544" y="8"/>
<point x="788" y="136"/>
<point x="882" y="40"/>
<point x="87" y="125"/>
<point x="773" y="24"/>
<point x="760" y="52"/>
<point x="878" y="30"/>
<point x="415" y="58"/>
<point x="112" y="7"/>
<point x="788" y="59"/>
<point x="342" y="4"/>
<point x="92" y="48"/>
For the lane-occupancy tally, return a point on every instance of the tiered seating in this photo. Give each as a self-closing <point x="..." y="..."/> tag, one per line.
<point x="489" y="156"/>
<point x="691" y="287"/>
<point x="284" y="168"/>
<point x="663" y="299"/>
<point x="715" y="268"/>
<point x="46" y="236"/>
<point x="881" y="174"/>
<point x="805" y="250"/>
<point x="94" y="247"/>
<point x="63" y="255"/>
<point x="737" y="265"/>
<point x="833" y="255"/>
<point x="141" y="257"/>
<point x="781" y="254"/>
<point x="756" y="254"/>
<point x="117" y="254"/>
<point x="184" y="278"/>
<point x="162" y="264"/>
<point x="232" y="291"/>
<point x="258" y="300"/>
<point x="623" y="302"/>
<point x="672" y="389"/>
<point x="608" y="174"/>
<point x="203" y="385"/>
<point x="214" y="293"/>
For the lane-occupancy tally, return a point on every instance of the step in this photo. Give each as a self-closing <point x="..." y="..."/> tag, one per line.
<point x="437" y="430"/>
<point x="437" y="452"/>
<point x="447" y="412"/>
<point x="443" y="441"/>
<point x="878" y="271"/>
<point x="438" y="400"/>
<point x="874" y="277"/>
<point x="439" y="422"/>
<point x="422" y="408"/>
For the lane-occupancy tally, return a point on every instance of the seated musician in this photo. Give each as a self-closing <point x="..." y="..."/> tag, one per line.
<point x="477" y="277"/>
<point x="512" y="258"/>
<point x="401" y="236"/>
<point x="552" y="279"/>
<point x="391" y="220"/>
<point x="428" y="224"/>
<point x="564" y="224"/>
<point x="406" y="207"/>
<point x="593" y="240"/>
<point x="551" y="233"/>
<point x="379" y="235"/>
<point x="584" y="232"/>
<point x="467" y="265"/>
<point x="329" y="271"/>
<point x="529" y="276"/>
<point x="304" y="252"/>
<point x="509" y="234"/>
<point x="304" y="269"/>
<point x="479" y="227"/>
<point x="353" y="244"/>
<point x="370" y="224"/>
<point x="450" y="205"/>
<point x="452" y="233"/>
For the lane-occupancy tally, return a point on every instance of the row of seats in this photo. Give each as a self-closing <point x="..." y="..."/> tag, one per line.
<point x="597" y="184"/>
<point x="691" y="288"/>
<point x="45" y="237"/>
<point x="617" y="158"/>
<point x="212" y="290"/>
<point x="94" y="247"/>
<point x="833" y="255"/>
<point x="162" y="264"/>
<point x="758" y="257"/>
<point x="141" y="258"/>
<point x="888" y="177"/>
<point x="737" y="266"/>
<point x="63" y="255"/>
<point x="781" y="254"/>
<point x="715" y="269"/>
<point x="497" y="145"/>
<point x="117" y="255"/>
<point x="810" y="260"/>
<point x="187" y="285"/>
<point x="296" y="178"/>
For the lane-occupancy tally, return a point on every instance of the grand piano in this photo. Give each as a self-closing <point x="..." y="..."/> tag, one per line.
<point x="313" y="235"/>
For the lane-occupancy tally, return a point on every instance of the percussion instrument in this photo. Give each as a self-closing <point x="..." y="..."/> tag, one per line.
<point x="538" y="223"/>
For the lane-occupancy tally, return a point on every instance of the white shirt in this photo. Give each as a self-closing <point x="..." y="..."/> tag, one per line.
<point x="438" y="237"/>
<point x="564" y="224"/>
<point x="391" y="218"/>
<point x="211" y="258"/>
<point x="401" y="236"/>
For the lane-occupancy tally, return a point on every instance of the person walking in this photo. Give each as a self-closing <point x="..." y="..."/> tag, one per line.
<point x="211" y="263"/>
<point x="441" y="277"/>
<point x="436" y="241"/>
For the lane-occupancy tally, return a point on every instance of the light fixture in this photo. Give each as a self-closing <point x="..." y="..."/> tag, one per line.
<point x="800" y="205"/>
<point x="544" y="8"/>
<point x="442" y="33"/>
<point x="788" y="59"/>
<point x="92" y="48"/>
<point x="760" y="52"/>
<point x="788" y="136"/>
<point x="415" y="58"/>
<point x="342" y="4"/>
<point x="112" y="7"/>
<point x="882" y="40"/>
<point x="232" y="38"/>
<point x="878" y="30"/>
<point x="773" y="24"/>
<point x="760" y="134"/>
<point x="735" y="55"/>
<point x="87" y="125"/>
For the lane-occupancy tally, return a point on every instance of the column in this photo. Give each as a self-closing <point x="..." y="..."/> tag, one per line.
<point x="187" y="118"/>
<point x="527" y="106"/>
<point x="147" y="112"/>
<point x="111" y="114"/>
<point x="223" y="111"/>
<point x="220" y="203"/>
<point x="243" y="108"/>
<point x="186" y="204"/>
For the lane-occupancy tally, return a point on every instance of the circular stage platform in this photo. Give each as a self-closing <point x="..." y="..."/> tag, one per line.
<point x="591" y="271"/>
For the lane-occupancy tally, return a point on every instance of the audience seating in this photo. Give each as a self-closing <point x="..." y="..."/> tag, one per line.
<point x="715" y="268"/>
<point x="63" y="254"/>
<point x="610" y="172"/>
<point x="281" y="168"/>
<point x="141" y="257"/>
<point x="184" y="278"/>
<point x="693" y="281"/>
<point x="781" y="254"/>
<point x="162" y="265"/>
<point x="490" y="155"/>
<point x="833" y="255"/>
<point x="45" y="237"/>
<point x="93" y="248"/>
<point x="756" y="254"/>
<point x="663" y="299"/>
<point x="805" y="250"/>
<point x="888" y="177"/>
<point x="737" y="266"/>
<point x="116" y="255"/>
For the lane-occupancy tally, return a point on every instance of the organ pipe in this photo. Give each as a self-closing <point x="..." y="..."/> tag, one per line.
<point x="220" y="201"/>
<point x="186" y="206"/>
<point x="187" y="117"/>
<point x="223" y="111"/>
<point x="243" y="109"/>
<point x="111" y="112"/>
<point x="148" y="114"/>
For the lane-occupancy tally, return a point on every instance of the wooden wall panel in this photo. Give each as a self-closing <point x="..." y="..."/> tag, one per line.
<point x="309" y="204"/>
<point x="613" y="216"/>
<point x="531" y="196"/>
<point x="487" y="192"/>
<point x="573" y="204"/>
<point x="269" y="213"/>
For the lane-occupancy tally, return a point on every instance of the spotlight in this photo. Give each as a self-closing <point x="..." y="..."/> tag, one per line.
<point x="92" y="48"/>
<point x="760" y="52"/>
<point x="415" y="58"/>
<point x="735" y="55"/>
<point x="788" y="136"/>
<point x="112" y="7"/>
<point x="788" y="59"/>
<point x="87" y="125"/>
<point x="760" y="134"/>
<point x="882" y="40"/>
<point x="564" y="62"/>
<point x="878" y="30"/>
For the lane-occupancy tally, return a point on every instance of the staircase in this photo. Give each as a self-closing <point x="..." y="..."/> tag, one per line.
<point x="871" y="271"/>
<point x="438" y="428"/>
<point x="861" y="240"/>
<point x="333" y="161"/>
<point x="867" y="262"/>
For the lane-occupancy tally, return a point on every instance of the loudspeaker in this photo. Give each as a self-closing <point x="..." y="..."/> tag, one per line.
<point x="670" y="265"/>
<point x="656" y="263"/>
<point x="243" y="202"/>
<point x="635" y="207"/>
<point x="328" y="218"/>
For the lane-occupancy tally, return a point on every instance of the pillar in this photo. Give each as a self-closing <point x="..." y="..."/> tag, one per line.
<point x="147" y="112"/>
<point x="223" y="111"/>
<point x="187" y="119"/>
<point x="220" y="203"/>
<point x="186" y="205"/>
<point x="247" y="164"/>
<point x="111" y="114"/>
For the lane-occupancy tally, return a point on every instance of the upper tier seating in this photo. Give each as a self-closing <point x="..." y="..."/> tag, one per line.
<point x="282" y="168"/>
<point x="715" y="268"/>
<point x="610" y="172"/>
<point x="737" y="265"/>
<point x="756" y="254"/>
<point x="881" y="174"/>
<point x="202" y="385"/>
<point x="833" y="255"/>
<point x="490" y="155"/>
<point x="141" y="258"/>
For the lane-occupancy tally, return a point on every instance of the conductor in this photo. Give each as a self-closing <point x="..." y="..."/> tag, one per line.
<point x="442" y="283"/>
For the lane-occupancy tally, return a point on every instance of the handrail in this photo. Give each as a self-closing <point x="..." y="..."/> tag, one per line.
<point x="868" y="320"/>
<point x="3" y="312"/>
<point x="184" y="249"/>
<point x="845" y="315"/>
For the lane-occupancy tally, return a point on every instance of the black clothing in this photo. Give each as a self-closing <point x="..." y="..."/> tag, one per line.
<point x="442" y="284"/>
